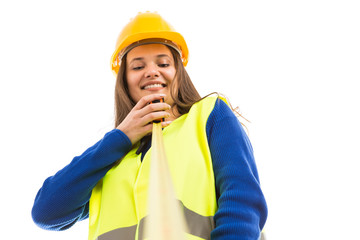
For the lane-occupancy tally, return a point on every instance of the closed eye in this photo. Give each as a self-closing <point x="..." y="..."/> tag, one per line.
<point x="137" y="68"/>
<point x="164" y="65"/>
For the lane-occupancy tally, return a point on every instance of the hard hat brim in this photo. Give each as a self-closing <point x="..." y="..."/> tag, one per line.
<point x="175" y="37"/>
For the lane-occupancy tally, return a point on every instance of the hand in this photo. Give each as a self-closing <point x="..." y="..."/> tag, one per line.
<point x="138" y="122"/>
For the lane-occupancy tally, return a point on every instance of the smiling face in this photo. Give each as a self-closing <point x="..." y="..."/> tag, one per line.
<point x="150" y="69"/>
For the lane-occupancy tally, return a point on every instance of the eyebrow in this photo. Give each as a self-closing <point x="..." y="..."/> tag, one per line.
<point x="162" y="55"/>
<point x="157" y="56"/>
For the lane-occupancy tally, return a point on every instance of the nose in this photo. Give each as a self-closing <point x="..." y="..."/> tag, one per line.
<point x="152" y="72"/>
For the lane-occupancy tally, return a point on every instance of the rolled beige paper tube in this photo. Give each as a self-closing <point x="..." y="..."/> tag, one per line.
<point x="166" y="219"/>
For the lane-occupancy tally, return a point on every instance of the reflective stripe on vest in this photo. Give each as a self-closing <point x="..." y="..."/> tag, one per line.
<point x="118" y="204"/>
<point x="198" y="225"/>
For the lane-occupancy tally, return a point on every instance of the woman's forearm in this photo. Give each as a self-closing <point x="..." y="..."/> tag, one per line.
<point x="63" y="198"/>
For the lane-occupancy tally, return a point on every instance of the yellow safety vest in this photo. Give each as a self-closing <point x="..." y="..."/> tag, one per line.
<point x="118" y="204"/>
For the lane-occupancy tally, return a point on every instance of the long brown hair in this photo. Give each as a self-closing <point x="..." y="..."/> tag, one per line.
<point x="182" y="90"/>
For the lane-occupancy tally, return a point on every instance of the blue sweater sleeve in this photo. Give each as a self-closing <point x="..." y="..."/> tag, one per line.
<point x="63" y="198"/>
<point x="242" y="209"/>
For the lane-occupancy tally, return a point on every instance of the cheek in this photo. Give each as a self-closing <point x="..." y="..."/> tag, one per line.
<point x="131" y="80"/>
<point x="170" y="75"/>
<point x="131" y="84"/>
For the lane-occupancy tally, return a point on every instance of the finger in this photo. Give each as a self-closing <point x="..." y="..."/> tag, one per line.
<point x="155" y="116"/>
<point x="166" y="123"/>
<point x="147" y="99"/>
<point x="155" y="107"/>
<point x="149" y="127"/>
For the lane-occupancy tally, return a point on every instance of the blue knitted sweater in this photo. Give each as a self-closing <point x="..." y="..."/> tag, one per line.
<point x="64" y="198"/>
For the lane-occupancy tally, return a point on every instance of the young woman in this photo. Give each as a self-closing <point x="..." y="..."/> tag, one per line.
<point x="210" y="156"/>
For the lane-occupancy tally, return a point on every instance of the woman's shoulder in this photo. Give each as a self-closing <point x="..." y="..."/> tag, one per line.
<point x="222" y="113"/>
<point x="212" y="109"/>
<point x="201" y="110"/>
<point x="212" y="101"/>
<point x="219" y="105"/>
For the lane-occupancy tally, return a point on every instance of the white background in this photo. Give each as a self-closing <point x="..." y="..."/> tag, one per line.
<point x="291" y="66"/>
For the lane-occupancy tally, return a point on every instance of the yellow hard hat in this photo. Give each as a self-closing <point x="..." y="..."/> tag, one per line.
<point x="147" y="28"/>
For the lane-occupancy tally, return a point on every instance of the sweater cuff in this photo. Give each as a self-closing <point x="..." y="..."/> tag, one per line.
<point x="119" y="139"/>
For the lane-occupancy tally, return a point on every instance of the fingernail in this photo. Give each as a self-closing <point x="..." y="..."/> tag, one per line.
<point x="167" y="122"/>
